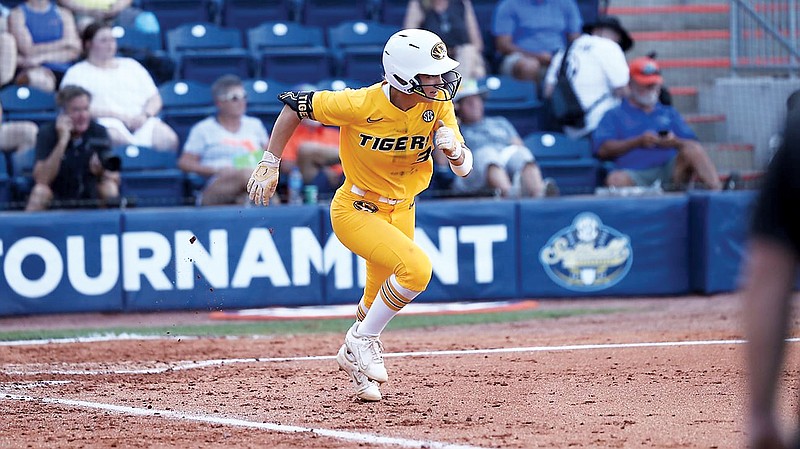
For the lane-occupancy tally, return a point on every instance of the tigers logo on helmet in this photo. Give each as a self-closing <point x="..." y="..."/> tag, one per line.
<point x="439" y="51"/>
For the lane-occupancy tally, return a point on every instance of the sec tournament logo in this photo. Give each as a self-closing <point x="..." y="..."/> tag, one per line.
<point x="587" y="256"/>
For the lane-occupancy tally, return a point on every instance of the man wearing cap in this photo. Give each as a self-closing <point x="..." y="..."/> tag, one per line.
<point x="597" y="68"/>
<point x="648" y="141"/>
<point x="502" y="162"/>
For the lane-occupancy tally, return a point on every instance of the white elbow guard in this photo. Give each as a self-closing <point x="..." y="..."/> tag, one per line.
<point x="463" y="169"/>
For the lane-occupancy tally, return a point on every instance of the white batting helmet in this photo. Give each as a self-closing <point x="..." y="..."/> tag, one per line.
<point x="412" y="52"/>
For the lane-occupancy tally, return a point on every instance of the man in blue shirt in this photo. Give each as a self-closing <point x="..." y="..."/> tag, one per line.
<point x="648" y="141"/>
<point x="528" y="33"/>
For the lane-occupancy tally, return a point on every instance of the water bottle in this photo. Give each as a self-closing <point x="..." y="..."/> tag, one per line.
<point x="295" y="186"/>
<point x="310" y="194"/>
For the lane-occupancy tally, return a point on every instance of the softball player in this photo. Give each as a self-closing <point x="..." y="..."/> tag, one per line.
<point x="387" y="134"/>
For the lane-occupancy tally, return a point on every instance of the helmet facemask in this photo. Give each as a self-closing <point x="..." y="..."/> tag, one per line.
<point x="449" y="86"/>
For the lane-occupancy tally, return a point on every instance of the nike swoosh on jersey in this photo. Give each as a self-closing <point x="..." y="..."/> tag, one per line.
<point x="373" y="120"/>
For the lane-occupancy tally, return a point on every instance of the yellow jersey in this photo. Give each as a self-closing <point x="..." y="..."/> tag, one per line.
<point x="382" y="148"/>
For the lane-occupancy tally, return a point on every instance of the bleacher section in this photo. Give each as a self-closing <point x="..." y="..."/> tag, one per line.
<point x="273" y="45"/>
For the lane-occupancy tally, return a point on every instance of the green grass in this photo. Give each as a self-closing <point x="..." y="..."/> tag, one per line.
<point x="247" y="328"/>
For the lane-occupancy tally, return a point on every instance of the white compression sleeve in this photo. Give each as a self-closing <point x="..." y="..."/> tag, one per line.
<point x="463" y="169"/>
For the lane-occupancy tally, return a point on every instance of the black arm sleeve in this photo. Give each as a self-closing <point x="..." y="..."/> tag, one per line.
<point x="300" y="102"/>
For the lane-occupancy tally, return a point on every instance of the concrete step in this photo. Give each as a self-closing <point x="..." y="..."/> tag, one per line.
<point x="708" y="127"/>
<point x="693" y="71"/>
<point x="728" y="157"/>
<point x="685" y="99"/>
<point x="667" y="16"/>
<point x="680" y="44"/>
<point x="666" y="3"/>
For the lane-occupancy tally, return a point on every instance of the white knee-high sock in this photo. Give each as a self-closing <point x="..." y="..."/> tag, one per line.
<point x="390" y="299"/>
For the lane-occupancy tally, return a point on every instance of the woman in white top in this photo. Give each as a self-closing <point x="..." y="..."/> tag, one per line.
<point x="124" y="97"/>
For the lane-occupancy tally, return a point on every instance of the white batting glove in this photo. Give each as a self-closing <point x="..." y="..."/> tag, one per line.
<point x="264" y="179"/>
<point x="444" y="138"/>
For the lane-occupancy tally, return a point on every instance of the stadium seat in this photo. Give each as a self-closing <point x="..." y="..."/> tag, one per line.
<point x="174" y="13"/>
<point x="262" y="99"/>
<point x="357" y="47"/>
<point x="289" y="52"/>
<point x="21" y="174"/>
<point x="150" y="177"/>
<point x="339" y="84"/>
<point x="330" y="13"/>
<point x="184" y="104"/>
<point x="5" y="183"/>
<point x="554" y="146"/>
<point x="130" y="39"/>
<point x="514" y="99"/>
<point x="147" y="49"/>
<point x="246" y="14"/>
<point x="392" y="12"/>
<point x="568" y="161"/>
<point x="203" y="52"/>
<point x="590" y="9"/>
<point x="28" y="103"/>
<point x="484" y="11"/>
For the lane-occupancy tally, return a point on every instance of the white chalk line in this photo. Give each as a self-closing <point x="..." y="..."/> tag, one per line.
<point x="282" y="428"/>
<point x="187" y="365"/>
<point x="108" y="337"/>
<point x="343" y="435"/>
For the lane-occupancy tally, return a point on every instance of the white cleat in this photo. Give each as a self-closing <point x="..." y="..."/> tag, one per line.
<point x="368" y="352"/>
<point x="366" y="390"/>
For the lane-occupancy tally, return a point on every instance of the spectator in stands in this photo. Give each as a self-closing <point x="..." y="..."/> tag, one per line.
<point x="17" y="135"/>
<point x="224" y="147"/>
<point x="649" y="142"/>
<point x="528" y="33"/>
<point x="314" y="149"/>
<point x="89" y="11"/>
<point x="772" y="259"/>
<point x="8" y="49"/>
<point x="455" y="22"/>
<point x="47" y="42"/>
<point x="125" y="98"/>
<point x="502" y="162"/>
<point x="74" y="162"/>
<point x="8" y="57"/>
<point x="597" y="68"/>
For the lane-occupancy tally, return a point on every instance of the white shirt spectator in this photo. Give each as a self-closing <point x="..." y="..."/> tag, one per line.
<point x="123" y="89"/>
<point x="220" y="148"/>
<point x="597" y="66"/>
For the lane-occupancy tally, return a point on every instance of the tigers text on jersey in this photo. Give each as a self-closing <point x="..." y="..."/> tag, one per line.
<point x="383" y="149"/>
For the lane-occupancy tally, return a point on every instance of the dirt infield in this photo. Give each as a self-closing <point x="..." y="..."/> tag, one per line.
<point x="658" y="373"/>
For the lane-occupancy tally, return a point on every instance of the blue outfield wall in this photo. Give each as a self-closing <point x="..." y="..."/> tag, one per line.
<point x="229" y="258"/>
<point x="719" y="225"/>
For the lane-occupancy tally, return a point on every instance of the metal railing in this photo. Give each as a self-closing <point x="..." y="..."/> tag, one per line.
<point x="764" y="36"/>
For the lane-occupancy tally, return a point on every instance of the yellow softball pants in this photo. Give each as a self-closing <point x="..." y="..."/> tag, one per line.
<point x="383" y="234"/>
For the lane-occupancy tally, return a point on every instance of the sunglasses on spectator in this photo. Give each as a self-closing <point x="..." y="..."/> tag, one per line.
<point x="233" y="96"/>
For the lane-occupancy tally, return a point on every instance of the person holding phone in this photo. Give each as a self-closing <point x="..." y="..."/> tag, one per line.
<point x="74" y="163"/>
<point x="649" y="142"/>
